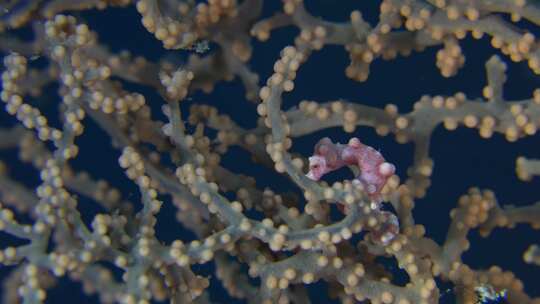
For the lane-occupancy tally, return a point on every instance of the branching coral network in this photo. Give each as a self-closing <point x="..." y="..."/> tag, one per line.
<point x="267" y="246"/>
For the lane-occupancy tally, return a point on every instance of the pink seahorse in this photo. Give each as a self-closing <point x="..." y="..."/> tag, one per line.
<point x="374" y="173"/>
